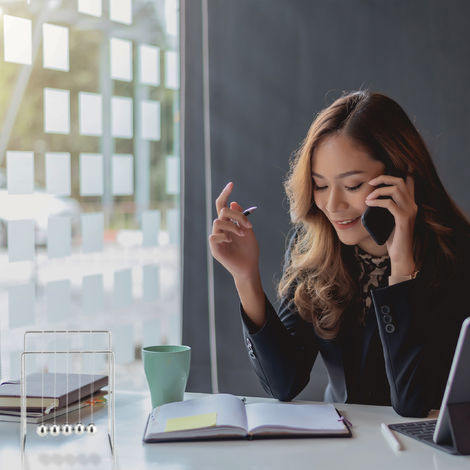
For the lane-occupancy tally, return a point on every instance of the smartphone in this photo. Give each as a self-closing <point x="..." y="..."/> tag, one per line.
<point x="378" y="221"/>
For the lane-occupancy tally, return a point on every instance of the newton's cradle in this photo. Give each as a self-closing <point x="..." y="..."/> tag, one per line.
<point x="70" y="352"/>
<point x="66" y="429"/>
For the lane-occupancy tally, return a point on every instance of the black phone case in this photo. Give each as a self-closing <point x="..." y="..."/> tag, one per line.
<point x="378" y="221"/>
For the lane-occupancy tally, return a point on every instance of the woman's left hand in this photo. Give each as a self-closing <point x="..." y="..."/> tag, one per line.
<point x="403" y="207"/>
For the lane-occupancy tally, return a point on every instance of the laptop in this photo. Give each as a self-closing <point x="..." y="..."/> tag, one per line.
<point x="451" y="431"/>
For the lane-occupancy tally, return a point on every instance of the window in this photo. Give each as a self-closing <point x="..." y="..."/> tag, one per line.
<point x="89" y="174"/>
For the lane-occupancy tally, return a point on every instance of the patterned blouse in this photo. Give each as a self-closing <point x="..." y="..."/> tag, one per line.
<point x="372" y="275"/>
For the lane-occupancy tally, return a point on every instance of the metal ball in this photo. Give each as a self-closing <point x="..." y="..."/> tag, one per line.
<point x="42" y="430"/>
<point x="91" y="429"/>
<point x="67" y="429"/>
<point x="79" y="428"/>
<point x="54" y="430"/>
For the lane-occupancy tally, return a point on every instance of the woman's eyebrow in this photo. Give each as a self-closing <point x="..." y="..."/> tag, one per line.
<point x="341" y="175"/>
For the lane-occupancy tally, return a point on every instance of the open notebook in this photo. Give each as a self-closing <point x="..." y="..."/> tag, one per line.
<point x="226" y="416"/>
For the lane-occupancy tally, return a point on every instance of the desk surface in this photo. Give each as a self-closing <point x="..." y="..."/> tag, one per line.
<point x="366" y="450"/>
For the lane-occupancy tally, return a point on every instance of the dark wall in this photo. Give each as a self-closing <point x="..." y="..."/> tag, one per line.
<point x="273" y="65"/>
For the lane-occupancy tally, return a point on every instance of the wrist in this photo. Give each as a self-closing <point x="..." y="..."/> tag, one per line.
<point x="403" y="268"/>
<point x="395" y="279"/>
<point x="250" y="277"/>
<point x="402" y="271"/>
<point x="252" y="299"/>
<point x="249" y="283"/>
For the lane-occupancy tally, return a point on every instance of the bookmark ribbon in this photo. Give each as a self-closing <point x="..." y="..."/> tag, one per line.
<point x="345" y="421"/>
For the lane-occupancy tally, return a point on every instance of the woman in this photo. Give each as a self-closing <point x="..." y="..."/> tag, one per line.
<point x="385" y="318"/>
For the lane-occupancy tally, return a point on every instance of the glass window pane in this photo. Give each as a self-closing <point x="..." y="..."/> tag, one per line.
<point x="90" y="109"/>
<point x="58" y="301"/>
<point x="172" y="175"/>
<point x="92" y="232"/>
<point x="172" y="70"/>
<point x="93" y="294"/>
<point x="90" y="7"/>
<point x="150" y="119"/>
<point x="150" y="227"/>
<point x="171" y="17"/>
<point x="55" y="47"/>
<point x="172" y="220"/>
<point x="149" y="64"/>
<point x="152" y="331"/>
<point x="90" y="179"/>
<point x="56" y="111"/>
<point x="17" y="40"/>
<point x="20" y="240"/>
<point x="151" y="283"/>
<point x="121" y="115"/>
<point x="21" y="305"/>
<point x="123" y="342"/>
<point x="20" y="172"/>
<point x="120" y="11"/>
<point x="58" y="173"/>
<point x="91" y="174"/>
<point x="123" y="175"/>
<point x="59" y="237"/>
<point x="122" y="288"/>
<point x="121" y="59"/>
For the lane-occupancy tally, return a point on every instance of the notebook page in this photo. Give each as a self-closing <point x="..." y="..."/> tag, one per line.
<point x="315" y="417"/>
<point x="230" y="411"/>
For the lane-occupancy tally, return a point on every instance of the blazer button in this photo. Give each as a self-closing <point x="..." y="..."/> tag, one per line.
<point x="389" y="328"/>
<point x="387" y="319"/>
<point x="385" y="309"/>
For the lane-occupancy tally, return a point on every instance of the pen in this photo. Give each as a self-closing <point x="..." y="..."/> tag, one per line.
<point x="250" y="210"/>
<point x="392" y="441"/>
<point x="246" y="213"/>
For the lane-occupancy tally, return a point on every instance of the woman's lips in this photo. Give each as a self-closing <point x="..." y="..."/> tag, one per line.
<point x="344" y="226"/>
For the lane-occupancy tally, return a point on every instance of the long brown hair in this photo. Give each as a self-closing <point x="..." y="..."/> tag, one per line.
<point x="319" y="270"/>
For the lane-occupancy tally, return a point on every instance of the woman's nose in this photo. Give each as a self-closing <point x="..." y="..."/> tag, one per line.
<point x="335" y="202"/>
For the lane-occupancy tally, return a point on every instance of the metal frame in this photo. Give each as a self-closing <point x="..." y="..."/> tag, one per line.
<point x="111" y="378"/>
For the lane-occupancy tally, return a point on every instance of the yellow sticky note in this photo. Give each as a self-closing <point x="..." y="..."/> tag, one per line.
<point x="191" y="422"/>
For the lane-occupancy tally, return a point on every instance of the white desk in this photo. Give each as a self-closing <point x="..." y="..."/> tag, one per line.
<point x="366" y="450"/>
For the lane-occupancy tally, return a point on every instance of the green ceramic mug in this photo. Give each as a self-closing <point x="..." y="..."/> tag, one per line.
<point x="167" y="370"/>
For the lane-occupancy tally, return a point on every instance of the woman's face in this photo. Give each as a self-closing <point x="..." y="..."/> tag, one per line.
<point x="341" y="170"/>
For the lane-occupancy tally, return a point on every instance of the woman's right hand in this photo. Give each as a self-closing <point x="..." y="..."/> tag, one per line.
<point x="234" y="246"/>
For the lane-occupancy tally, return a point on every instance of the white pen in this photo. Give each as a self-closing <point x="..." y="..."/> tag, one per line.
<point x="246" y="213"/>
<point x="391" y="439"/>
<point x="250" y="210"/>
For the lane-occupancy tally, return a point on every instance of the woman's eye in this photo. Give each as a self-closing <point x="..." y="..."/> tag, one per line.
<point x="354" y="188"/>
<point x="320" y="188"/>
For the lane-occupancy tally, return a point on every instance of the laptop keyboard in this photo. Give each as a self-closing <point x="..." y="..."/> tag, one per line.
<point x="422" y="431"/>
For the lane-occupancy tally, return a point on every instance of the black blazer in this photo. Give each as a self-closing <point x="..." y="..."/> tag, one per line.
<point x="418" y="328"/>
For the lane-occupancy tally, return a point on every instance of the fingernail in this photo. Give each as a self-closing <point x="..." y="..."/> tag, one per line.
<point x="227" y="185"/>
